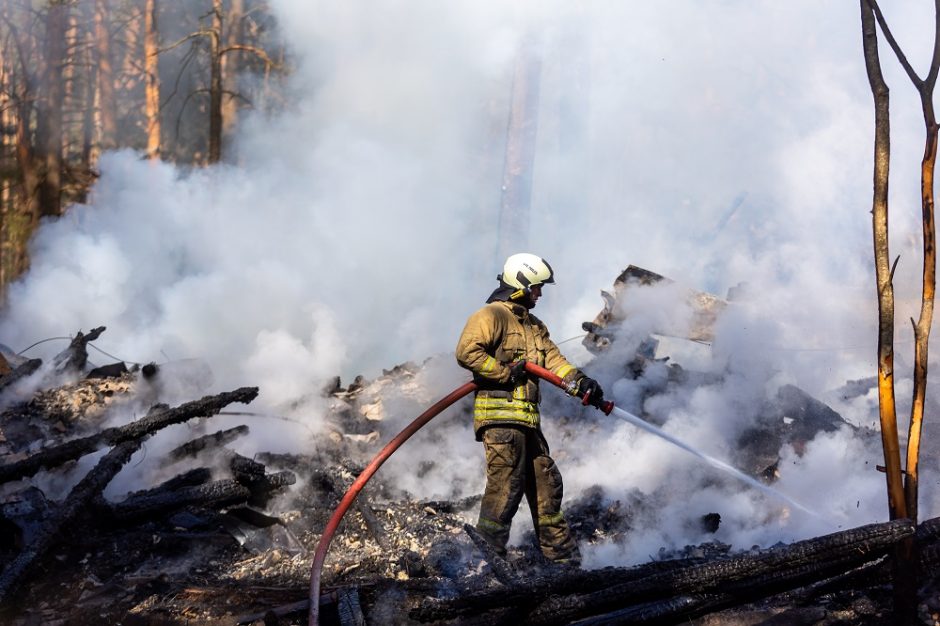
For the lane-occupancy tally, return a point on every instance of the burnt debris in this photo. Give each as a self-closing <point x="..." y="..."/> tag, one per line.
<point x="220" y="537"/>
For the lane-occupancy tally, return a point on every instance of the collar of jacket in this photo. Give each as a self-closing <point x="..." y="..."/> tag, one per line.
<point x="518" y="310"/>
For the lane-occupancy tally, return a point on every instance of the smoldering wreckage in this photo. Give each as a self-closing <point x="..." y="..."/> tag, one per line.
<point x="229" y="539"/>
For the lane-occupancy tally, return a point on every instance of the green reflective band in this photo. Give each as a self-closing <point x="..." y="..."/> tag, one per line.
<point x="488" y="524"/>
<point x="551" y="520"/>
<point x="488" y="365"/>
<point x="564" y="370"/>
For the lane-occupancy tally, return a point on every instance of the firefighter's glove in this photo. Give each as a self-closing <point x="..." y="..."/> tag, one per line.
<point x="517" y="373"/>
<point x="589" y="387"/>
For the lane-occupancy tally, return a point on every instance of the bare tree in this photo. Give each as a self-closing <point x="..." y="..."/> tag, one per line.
<point x="905" y="561"/>
<point x="883" y="271"/>
<point x="925" y="89"/>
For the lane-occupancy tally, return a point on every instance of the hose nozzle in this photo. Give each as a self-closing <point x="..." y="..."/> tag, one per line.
<point x="604" y="406"/>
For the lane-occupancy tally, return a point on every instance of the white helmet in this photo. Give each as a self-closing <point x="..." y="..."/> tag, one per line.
<point x="526" y="270"/>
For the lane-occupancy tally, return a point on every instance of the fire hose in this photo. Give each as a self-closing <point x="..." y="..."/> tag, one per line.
<point x="353" y="492"/>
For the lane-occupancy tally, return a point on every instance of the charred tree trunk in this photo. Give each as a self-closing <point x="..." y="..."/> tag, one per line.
<point x="925" y="88"/>
<point x="884" y="272"/>
<point x="922" y="326"/>
<point x="906" y="557"/>
<point x="159" y="417"/>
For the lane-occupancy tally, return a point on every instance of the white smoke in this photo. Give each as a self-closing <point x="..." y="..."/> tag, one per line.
<point x="713" y="142"/>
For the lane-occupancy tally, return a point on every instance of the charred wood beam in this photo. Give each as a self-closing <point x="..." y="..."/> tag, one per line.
<point x="800" y="561"/>
<point x="246" y="471"/>
<point x="25" y="369"/>
<point x="348" y="608"/>
<point x="217" y="494"/>
<point x="373" y="525"/>
<point x="191" y="478"/>
<point x="251" y="474"/>
<point x="159" y="416"/>
<point x="533" y="589"/>
<point x="686" y="607"/>
<point x="500" y="567"/>
<point x="85" y="491"/>
<point x="159" y="502"/>
<point x="928" y="531"/>
<point x="75" y="356"/>
<point x="455" y="506"/>
<point x="285" y="610"/>
<point x="807" y="561"/>
<point x="206" y="442"/>
<point x="335" y="485"/>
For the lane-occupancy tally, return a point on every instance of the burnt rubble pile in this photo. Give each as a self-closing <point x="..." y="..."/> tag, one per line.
<point x="220" y="538"/>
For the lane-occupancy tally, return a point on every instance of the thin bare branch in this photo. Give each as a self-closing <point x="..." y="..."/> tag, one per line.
<point x="258" y="52"/>
<point x="935" y="63"/>
<point x="189" y="37"/>
<point x="894" y="44"/>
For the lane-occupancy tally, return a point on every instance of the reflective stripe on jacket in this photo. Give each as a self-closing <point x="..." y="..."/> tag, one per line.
<point x="494" y="336"/>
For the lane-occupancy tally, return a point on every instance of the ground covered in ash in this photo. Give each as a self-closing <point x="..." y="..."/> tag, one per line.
<point x="229" y="540"/>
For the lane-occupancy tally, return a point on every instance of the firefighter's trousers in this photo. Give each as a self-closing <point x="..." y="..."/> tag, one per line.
<point x="517" y="464"/>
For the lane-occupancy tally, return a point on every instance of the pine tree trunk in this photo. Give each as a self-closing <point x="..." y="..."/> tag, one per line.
<point x="215" y="87"/>
<point x="152" y="87"/>
<point x="230" y="68"/>
<point x="49" y="124"/>
<point x="107" y="108"/>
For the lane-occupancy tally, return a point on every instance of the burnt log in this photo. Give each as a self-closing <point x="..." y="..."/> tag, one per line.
<point x="373" y="525"/>
<point x="876" y="572"/>
<point x="27" y="368"/>
<point x="206" y="442"/>
<point x="246" y="471"/>
<point x="112" y="370"/>
<point x="84" y="492"/>
<point x="774" y="570"/>
<point x="251" y="474"/>
<point x="501" y="569"/>
<point x="348" y="607"/>
<point x="217" y="494"/>
<point x="534" y="588"/>
<point x="159" y="416"/>
<point x="570" y="595"/>
<point x="75" y="357"/>
<point x="191" y="478"/>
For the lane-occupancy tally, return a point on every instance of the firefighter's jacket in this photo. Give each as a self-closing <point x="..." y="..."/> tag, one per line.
<point x="495" y="336"/>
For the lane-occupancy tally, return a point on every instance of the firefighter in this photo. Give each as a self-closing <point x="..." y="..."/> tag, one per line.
<point x="495" y="344"/>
